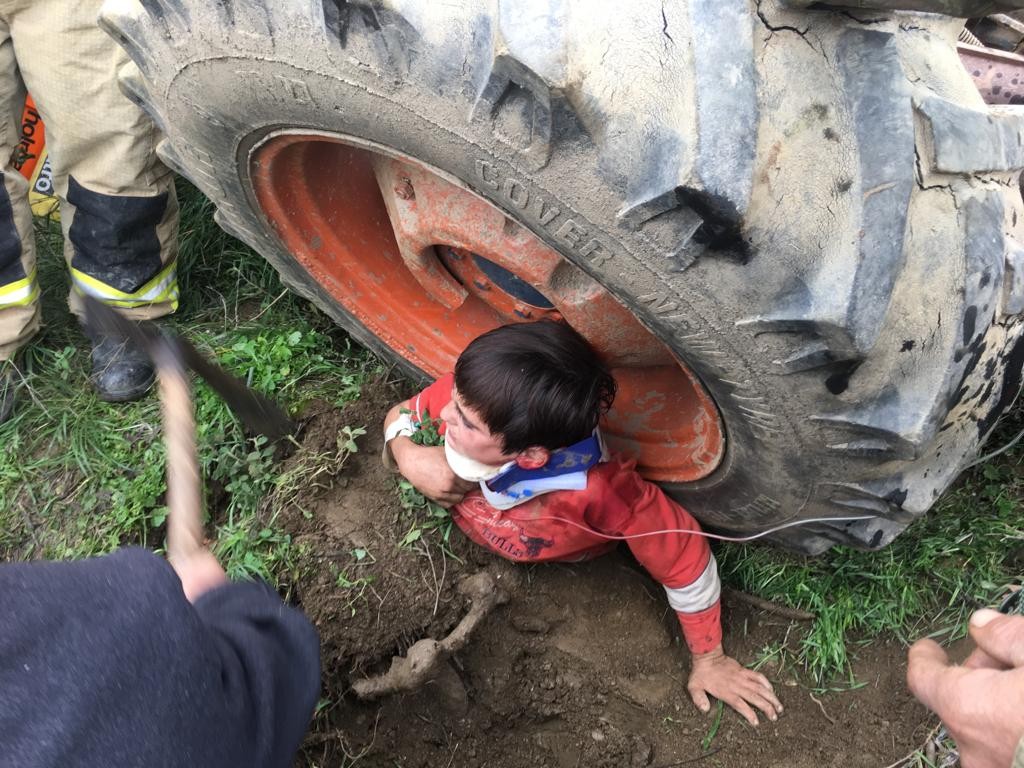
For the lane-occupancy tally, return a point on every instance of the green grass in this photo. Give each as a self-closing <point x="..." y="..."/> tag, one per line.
<point x="425" y="517"/>
<point x="709" y="737"/>
<point x="80" y="477"/>
<point x="960" y="557"/>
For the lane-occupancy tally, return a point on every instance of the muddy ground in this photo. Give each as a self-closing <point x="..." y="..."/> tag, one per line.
<point x="584" y="666"/>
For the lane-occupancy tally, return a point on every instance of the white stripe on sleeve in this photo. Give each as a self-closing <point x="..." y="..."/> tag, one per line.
<point x="701" y="594"/>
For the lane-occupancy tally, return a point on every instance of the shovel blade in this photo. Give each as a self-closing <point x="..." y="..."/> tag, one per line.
<point x="257" y="412"/>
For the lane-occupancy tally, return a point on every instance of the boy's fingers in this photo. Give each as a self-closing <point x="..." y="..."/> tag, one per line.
<point x="446" y="499"/>
<point x="981" y="660"/>
<point x="755" y="693"/>
<point x="758" y="699"/>
<point x="700" y="698"/>
<point x="766" y="690"/>
<point x="1000" y="637"/>
<point x="744" y="709"/>
<point x="761" y="680"/>
<point x="927" y="668"/>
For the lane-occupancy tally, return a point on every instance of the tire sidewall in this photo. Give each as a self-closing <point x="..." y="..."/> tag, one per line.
<point x="758" y="482"/>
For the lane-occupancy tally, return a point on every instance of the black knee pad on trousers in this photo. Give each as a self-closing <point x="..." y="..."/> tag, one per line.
<point x="11" y="268"/>
<point x="114" y="237"/>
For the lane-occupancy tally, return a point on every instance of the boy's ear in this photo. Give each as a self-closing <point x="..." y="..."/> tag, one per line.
<point x="533" y="457"/>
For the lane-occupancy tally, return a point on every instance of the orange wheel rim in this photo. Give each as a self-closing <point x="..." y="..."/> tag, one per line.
<point x="427" y="266"/>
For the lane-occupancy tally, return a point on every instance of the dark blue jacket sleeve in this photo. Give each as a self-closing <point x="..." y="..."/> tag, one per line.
<point x="269" y="657"/>
<point x="104" y="662"/>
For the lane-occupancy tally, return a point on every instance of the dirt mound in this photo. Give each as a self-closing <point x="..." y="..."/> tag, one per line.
<point x="583" y="667"/>
<point x="368" y="595"/>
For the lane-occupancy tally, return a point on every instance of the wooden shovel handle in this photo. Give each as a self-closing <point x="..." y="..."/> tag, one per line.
<point x="184" y="501"/>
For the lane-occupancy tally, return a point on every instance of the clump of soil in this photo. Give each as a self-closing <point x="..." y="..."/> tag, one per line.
<point x="584" y="666"/>
<point x="366" y="609"/>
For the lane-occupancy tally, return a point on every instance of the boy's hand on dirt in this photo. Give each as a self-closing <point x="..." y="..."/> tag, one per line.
<point x="981" y="702"/>
<point x="427" y="469"/>
<point x="199" y="573"/>
<point x="723" y="677"/>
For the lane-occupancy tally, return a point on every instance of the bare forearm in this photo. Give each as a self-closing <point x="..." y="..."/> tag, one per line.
<point x="404" y="451"/>
<point x="425" y="466"/>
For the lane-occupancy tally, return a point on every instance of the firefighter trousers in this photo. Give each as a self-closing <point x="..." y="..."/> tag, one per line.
<point x="119" y="213"/>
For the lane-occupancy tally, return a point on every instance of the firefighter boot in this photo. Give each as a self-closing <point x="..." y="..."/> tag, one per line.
<point x="121" y="371"/>
<point x="8" y="385"/>
<point x="12" y="377"/>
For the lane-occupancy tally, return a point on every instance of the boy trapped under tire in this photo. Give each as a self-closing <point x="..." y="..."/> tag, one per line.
<point x="526" y="475"/>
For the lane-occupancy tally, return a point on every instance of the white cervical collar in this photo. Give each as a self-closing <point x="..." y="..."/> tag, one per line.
<point x="471" y="469"/>
<point x="476" y="472"/>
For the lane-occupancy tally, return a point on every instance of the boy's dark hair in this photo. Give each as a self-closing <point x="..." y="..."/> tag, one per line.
<point x="535" y="384"/>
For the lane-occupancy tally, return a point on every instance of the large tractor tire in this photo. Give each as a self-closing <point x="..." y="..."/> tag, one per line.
<point x="790" y="231"/>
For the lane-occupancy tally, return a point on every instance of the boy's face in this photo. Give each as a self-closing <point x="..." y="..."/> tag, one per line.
<point x="467" y="433"/>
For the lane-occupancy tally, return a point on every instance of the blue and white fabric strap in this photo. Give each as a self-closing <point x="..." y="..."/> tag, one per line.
<point x="578" y="457"/>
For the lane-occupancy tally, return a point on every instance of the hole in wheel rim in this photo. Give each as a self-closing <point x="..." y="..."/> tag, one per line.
<point x="513" y="285"/>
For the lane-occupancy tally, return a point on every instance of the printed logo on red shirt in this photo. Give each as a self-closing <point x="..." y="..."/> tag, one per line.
<point x="485" y="525"/>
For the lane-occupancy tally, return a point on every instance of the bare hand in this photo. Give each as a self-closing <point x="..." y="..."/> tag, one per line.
<point x="722" y="676"/>
<point x="981" y="702"/>
<point x="199" y="573"/>
<point x="427" y="469"/>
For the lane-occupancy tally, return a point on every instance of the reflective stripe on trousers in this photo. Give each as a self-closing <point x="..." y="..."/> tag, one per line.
<point x="20" y="293"/>
<point x="163" y="287"/>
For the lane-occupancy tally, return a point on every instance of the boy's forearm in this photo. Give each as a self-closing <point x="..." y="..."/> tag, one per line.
<point x="388" y="455"/>
<point x="698" y="606"/>
<point x="702" y="629"/>
<point x="401" y="447"/>
<point x="424" y="466"/>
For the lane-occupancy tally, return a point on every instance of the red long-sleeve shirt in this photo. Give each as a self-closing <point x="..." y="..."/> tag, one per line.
<point x="571" y="525"/>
